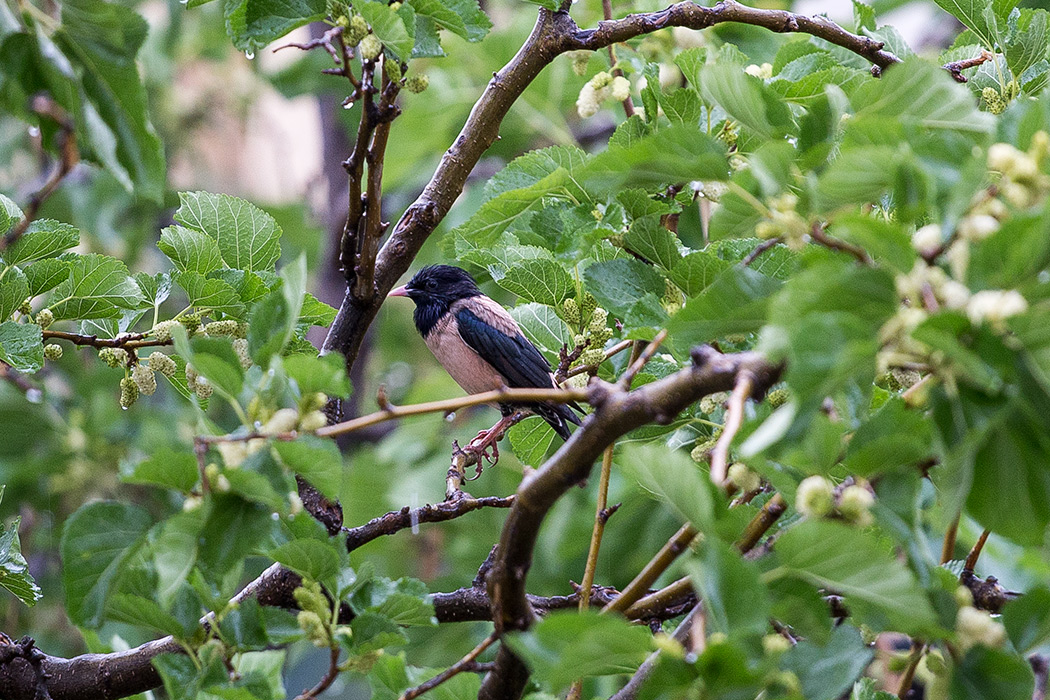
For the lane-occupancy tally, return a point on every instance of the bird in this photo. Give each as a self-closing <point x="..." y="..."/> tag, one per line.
<point x="481" y="346"/>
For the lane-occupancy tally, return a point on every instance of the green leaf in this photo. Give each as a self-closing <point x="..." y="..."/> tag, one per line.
<point x="747" y="100"/>
<point x="826" y="672"/>
<point x="389" y="26"/>
<point x="736" y="601"/>
<point x="565" y="646"/>
<point x="248" y="237"/>
<point x="43" y="239"/>
<point x="98" y="287"/>
<point x="272" y="322"/>
<point x="484" y="227"/>
<point x="682" y="106"/>
<point x="544" y="329"/>
<point x="672" y="477"/>
<point x="312" y="559"/>
<point x="859" y="175"/>
<point x="21" y="346"/>
<point x="252" y="24"/>
<point x="462" y="17"/>
<point x="215" y="360"/>
<point x="10" y="214"/>
<point x="892" y="437"/>
<point x="532" y="167"/>
<point x="696" y="271"/>
<point x="992" y="674"/>
<point x="14" y="289"/>
<point x="315" y="312"/>
<point x="372" y="631"/>
<point x="618" y="284"/>
<point x="136" y="610"/>
<point x="168" y="468"/>
<point x="190" y="250"/>
<point x="317" y="460"/>
<point x="531" y="440"/>
<point x="648" y="238"/>
<point x="45" y="275"/>
<point x="101" y="40"/>
<point x="735" y="302"/>
<point x="1026" y="40"/>
<point x="675" y="154"/>
<point x="14" y="570"/>
<point x="214" y="294"/>
<point x="536" y="280"/>
<point x="243" y="627"/>
<point x="325" y="374"/>
<point x="96" y="542"/>
<point x="222" y="545"/>
<point x="174" y="547"/>
<point x="876" y="585"/>
<point x="407" y="610"/>
<point x="972" y="13"/>
<point x="1027" y="619"/>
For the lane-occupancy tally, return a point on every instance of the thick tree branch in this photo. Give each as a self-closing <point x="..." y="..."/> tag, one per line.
<point x="616" y="412"/>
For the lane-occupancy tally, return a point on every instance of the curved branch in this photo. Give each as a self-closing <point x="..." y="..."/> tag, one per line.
<point x="616" y="412"/>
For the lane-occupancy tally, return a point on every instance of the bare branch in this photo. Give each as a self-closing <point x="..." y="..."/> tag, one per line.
<point x="66" y="140"/>
<point x="759" y="249"/>
<point x="327" y="679"/>
<point x="957" y="67"/>
<point x="734" y="418"/>
<point x="639" y="586"/>
<point x="456" y="668"/>
<point x="127" y="341"/>
<point x="817" y="234"/>
<point x="398" y="520"/>
<point x="325" y="41"/>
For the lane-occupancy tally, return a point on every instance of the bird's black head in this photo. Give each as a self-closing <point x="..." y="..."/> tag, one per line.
<point x="434" y="289"/>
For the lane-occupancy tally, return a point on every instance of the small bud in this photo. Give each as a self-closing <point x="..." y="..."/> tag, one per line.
<point x="159" y="362"/>
<point x="1003" y="157"/>
<point x="775" y="644"/>
<point x="222" y="484"/>
<point x="976" y="627"/>
<point x="370" y="47"/>
<point x="312" y="421"/>
<point x="52" y="352"/>
<point x="211" y="472"/>
<point x="815" y="497"/>
<point x="144" y="379"/>
<point x="113" y="357"/>
<point x="233" y="453"/>
<point x="240" y="346"/>
<point x="855" y="504"/>
<point x="600" y="80"/>
<point x="995" y="305"/>
<point x="592" y="357"/>
<point x="192" y="503"/>
<point x="588" y="305"/>
<point x="963" y="596"/>
<point x="282" y="421"/>
<point x="221" y="328"/>
<point x="44" y="318"/>
<point x="395" y="6"/>
<point x="129" y="392"/>
<point x="669" y="645"/>
<point x="313" y="402"/>
<point x="342" y="21"/>
<point x="745" y="479"/>
<point x="310" y="597"/>
<point x="712" y="402"/>
<point x="993" y="100"/>
<point x="162" y="331"/>
<point x="417" y="83"/>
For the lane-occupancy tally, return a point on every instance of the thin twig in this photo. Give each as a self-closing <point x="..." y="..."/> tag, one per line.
<point x="460" y="666"/>
<point x="446" y="405"/>
<point x="734" y="419"/>
<point x="398" y="520"/>
<point x="600" y="518"/>
<point x="18" y="380"/>
<point x="971" y="559"/>
<point x="681" y="634"/>
<point x="127" y="341"/>
<point x="639" y="586"/>
<point x="817" y="233"/>
<point x="917" y="649"/>
<point x="643" y="359"/>
<point x="325" y="41"/>
<point x="611" y="352"/>
<point x="763" y="520"/>
<point x="948" y="546"/>
<point x="66" y="140"/>
<point x="661" y="598"/>
<point x="759" y="249"/>
<point x="955" y="68"/>
<point x="329" y="677"/>
<point x="628" y="103"/>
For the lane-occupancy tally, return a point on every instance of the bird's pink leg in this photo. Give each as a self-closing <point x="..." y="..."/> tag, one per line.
<point x="489" y="438"/>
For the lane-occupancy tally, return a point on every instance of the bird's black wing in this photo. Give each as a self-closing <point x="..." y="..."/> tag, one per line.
<point x="516" y="359"/>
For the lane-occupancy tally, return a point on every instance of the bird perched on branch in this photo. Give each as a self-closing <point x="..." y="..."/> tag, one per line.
<point x="481" y="346"/>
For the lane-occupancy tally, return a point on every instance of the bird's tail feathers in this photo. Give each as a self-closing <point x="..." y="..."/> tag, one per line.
<point x="558" y="416"/>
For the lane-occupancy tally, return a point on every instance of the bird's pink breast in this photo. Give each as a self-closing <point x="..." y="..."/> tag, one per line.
<point x="459" y="359"/>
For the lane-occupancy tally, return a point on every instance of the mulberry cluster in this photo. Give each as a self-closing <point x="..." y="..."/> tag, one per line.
<point x="600" y="88"/>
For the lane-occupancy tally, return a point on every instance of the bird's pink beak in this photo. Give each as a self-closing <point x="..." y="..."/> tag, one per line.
<point x="401" y="291"/>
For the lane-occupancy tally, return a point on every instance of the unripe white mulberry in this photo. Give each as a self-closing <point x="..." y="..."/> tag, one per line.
<point x="976" y="627"/>
<point x="620" y="89"/>
<point x="129" y="392"/>
<point x="162" y="331"/>
<point x="113" y="357"/>
<point x="571" y="312"/>
<point x="282" y="421"/>
<point x="221" y="328"/>
<point x="312" y="421"/>
<point x="995" y="305"/>
<point x="44" y="318"/>
<point x="745" y="479"/>
<point x="144" y="379"/>
<point x="52" y="352"/>
<point x="370" y="47"/>
<point x="240" y="346"/>
<point x="417" y="83"/>
<point x="815" y="497"/>
<point x="202" y="388"/>
<point x="159" y="362"/>
<point x="855" y="504"/>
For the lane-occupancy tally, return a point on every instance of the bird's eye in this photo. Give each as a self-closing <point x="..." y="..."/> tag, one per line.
<point x="431" y="284"/>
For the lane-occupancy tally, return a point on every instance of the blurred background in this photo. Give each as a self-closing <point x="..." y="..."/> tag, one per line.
<point x="271" y="128"/>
